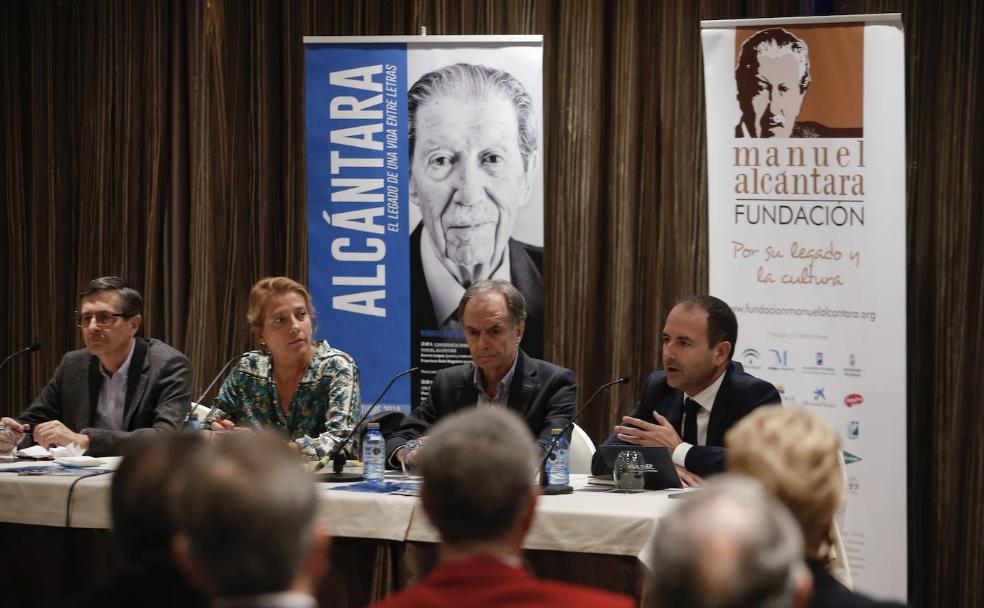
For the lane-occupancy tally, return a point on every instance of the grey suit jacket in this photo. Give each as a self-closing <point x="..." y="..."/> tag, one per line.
<point x="158" y="394"/>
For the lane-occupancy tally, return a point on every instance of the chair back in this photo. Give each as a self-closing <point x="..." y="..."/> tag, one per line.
<point x="582" y="449"/>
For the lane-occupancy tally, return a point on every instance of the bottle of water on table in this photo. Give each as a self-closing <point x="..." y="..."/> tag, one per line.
<point x="559" y="466"/>
<point x="373" y="454"/>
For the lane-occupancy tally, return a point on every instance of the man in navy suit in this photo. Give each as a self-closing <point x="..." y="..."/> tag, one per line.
<point x="689" y="405"/>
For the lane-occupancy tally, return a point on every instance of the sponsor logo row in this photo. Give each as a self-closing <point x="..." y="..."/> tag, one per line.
<point x="853" y="481"/>
<point x="819" y="398"/>
<point x="819" y="364"/>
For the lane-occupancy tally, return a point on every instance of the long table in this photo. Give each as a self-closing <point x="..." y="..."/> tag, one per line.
<point x="589" y="537"/>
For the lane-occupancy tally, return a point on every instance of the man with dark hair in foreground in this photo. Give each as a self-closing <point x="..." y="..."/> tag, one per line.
<point x="478" y="467"/>
<point x="144" y="527"/>
<point x="700" y="393"/>
<point x="247" y="527"/>
<point x="117" y="387"/>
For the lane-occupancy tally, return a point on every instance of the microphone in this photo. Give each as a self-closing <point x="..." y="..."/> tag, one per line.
<point x="32" y="348"/>
<point x="337" y="457"/>
<point x="551" y="489"/>
<point x="221" y="374"/>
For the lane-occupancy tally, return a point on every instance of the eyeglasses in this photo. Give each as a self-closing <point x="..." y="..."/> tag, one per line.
<point x="103" y="319"/>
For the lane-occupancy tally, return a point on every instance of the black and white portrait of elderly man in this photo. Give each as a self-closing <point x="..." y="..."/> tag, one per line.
<point x="474" y="156"/>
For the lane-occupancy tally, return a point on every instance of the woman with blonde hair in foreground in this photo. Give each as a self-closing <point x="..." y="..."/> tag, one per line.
<point x="796" y="455"/>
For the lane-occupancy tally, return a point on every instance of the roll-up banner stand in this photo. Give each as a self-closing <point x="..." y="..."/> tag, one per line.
<point x="806" y="207"/>
<point x="424" y="158"/>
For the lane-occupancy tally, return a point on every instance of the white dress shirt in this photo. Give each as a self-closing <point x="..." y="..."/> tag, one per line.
<point x="444" y="288"/>
<point x="705" y="399"/>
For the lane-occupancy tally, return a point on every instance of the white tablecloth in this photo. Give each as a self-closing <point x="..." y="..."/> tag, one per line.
<point x="42" y="501"/>
<point x="586" y="521"/>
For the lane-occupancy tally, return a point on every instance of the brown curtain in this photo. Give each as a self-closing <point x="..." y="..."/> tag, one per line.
<point x="163" y="141"/>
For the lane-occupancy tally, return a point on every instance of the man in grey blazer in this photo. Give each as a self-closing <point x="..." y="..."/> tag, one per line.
<point x="118" y="386"/>
<point x="493" y="314"/>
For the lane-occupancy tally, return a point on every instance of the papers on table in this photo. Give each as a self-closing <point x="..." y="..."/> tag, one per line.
<point x="35" y="451"/>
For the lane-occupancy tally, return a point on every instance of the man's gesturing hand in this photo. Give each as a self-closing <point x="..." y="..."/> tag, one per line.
<point x="661" y="434"/>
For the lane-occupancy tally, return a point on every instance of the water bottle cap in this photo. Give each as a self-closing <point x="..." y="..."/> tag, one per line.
<point x="374" y="425"/>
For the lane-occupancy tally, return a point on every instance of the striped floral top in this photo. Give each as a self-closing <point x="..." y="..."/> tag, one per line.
<point x="327" y="398"/>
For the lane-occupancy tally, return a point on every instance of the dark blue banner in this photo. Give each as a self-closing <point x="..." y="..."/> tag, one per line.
<point x="357" y="172"/>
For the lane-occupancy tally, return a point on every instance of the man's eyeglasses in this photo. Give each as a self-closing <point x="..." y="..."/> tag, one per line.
<point x="103" y="319"/>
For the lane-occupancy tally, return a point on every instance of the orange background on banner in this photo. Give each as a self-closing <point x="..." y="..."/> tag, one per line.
<point x="835" y="96"/>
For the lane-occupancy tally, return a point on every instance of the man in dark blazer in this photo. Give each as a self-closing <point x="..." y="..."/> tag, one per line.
<point x="493" y="315"/>
<point x="690" y="405"/>
<point x="119" y="385"/>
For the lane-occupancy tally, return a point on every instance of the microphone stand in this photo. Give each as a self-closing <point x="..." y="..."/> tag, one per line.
<point x="27" y="349"/>
<point x="337" y="456"/>
<point x="191" y="409"/>
<point x="545" y="487"/>
<point x="31" y="348"/>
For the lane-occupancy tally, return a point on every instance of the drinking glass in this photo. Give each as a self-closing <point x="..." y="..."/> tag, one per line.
<point x="8" y="443"/>
<point x="629" y="472"/>
<point x="411" y="458"/>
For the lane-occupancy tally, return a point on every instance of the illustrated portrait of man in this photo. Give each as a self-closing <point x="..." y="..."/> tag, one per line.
<point x="773" y="75"/>
<point x="473" y="149"/>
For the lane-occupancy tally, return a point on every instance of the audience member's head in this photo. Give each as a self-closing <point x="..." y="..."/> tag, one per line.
<point x="142" y="498"/>
<point x="730" y="545"/>
<point x="246" y="515"/>
<point x="796" y="456"/>
<point x="478" y="468"/>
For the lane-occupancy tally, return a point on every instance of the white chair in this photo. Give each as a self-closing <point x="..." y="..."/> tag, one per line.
<point x="838" y="565"/>
<point x="582" y="449"/>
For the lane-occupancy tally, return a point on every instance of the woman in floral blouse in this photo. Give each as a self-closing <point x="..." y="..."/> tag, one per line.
<point x="293" y="383"/>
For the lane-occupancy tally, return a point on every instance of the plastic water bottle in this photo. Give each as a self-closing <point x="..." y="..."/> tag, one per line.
<point x="191" y="423"/>
<point x="559" y="471"/>
<point x="373" y="454"/>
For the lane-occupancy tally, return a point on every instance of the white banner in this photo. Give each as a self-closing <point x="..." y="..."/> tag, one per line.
<point x="806" y="195"/>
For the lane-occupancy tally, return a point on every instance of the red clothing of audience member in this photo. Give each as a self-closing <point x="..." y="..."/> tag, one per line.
<point x="476" y="582"/>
